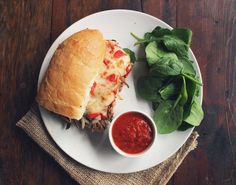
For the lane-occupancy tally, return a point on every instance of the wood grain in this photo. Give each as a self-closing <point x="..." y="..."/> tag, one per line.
<point x="214" y="27"/>
<point x="162" y="9"/>
<point x="28" y="28"/>
<point x="25" y="37"/>
<point x="65" y="13"/>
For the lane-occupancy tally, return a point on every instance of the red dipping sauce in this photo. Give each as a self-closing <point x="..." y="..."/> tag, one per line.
<point x="132" y="132"/>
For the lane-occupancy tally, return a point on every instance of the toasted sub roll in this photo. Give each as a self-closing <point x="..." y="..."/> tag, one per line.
<point x="65" y="88"/>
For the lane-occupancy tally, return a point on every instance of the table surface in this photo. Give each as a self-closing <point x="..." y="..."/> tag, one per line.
<point x="29" y="27"/>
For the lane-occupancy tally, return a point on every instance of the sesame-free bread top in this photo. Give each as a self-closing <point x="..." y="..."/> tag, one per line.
<point x="75" y="64"/>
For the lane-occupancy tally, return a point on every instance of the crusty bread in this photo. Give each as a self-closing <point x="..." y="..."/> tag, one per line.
<point x="74" y="66"/>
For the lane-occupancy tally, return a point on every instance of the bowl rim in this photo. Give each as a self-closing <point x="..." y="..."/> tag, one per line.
<point x="121" y="152"/>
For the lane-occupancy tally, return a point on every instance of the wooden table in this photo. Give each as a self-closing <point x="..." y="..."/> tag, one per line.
<point x="28" y="28"/>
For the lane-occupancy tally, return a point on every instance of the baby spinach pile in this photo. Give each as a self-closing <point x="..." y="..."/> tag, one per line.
<point x="171" y="83"/>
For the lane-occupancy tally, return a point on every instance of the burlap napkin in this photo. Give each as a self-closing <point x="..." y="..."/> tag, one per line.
<point x="32" y="124"/>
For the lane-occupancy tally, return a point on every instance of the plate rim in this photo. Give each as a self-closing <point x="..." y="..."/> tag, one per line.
<point x="52" y="47"/>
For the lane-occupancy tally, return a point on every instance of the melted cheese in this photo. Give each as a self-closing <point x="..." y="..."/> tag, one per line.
<point x="116" y="65"/>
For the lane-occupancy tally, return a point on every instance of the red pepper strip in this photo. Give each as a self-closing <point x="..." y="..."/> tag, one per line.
<point x="110" y="46"/>
<point x="119" y="54"/>
<point x="93" y="115"/>
<point x="128" y="69"/>
<point x="93" y="88"/>
<point x="106" y="62"/>
<point x="111" y="78"/>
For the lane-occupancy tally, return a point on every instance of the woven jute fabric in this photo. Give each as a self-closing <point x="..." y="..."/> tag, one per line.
<point x="33" y="125"/>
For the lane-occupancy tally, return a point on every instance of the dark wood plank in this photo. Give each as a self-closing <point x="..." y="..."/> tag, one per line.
<point x="67" y="12"/>
<point x="25" y="37"/>
<point x="214" y="27"/>
<point x="162" y="9"/>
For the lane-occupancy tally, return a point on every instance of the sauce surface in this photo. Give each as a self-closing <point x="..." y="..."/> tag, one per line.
<point x="132" y="132"/>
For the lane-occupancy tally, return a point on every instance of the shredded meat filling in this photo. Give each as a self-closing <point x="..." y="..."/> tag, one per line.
<point x="105" y="90"/>
<point x="93" y="124"/>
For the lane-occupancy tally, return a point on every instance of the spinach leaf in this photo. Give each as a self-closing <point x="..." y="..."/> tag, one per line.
<point x="190" y="77"/>
<point x="176" y="45"/>
<point x="184" y="93"/>
<point x="159" y="31"/>
<point x="184" y="126"/>
<point x="167" y="118"/>
<point x="188" y="66"/>
<point x="148" y="37"/>
<point x="136" y="37"/>
<point x="168" y="65"/>
<point x="172" y="84"/>
<point x="131" y="54"/>
<point x="156" y="104"/>
<point x="191" y="91"/>
<point x="197" y="91"/>
<point x="176" y="87"/>
<point x="153" y="53"/>
<point x="196" y="113"/>
<point x="148" y="86"/>
<point x="170" y="90"/>
<point x="184" y="34"/>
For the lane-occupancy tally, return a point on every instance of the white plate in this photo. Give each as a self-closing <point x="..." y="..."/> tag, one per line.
<point x="94" y="149"/>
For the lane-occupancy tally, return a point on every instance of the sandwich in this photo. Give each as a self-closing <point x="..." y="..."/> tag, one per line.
<point x="84" y="78"/>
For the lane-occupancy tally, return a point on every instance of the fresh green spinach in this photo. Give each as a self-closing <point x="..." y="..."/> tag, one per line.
<point x="167" y="65"/>
<point x="176" y="45"/>
<point x="191" y="91"/>
<point x="148" y="86"/>
<point x="188" y="67"/>
<point x="183" y="34"/>
<point x="159" y="32"/>
<point x="196" y="113"/>
<point x="167" y="118"/>
<point x="171" y="90"/>
<point x="183" y="93"/>
<point x="171" y="84"/>
<point x="131" y="54"/>
<point x="153" y="53"/>
<point x="184" y="126"/>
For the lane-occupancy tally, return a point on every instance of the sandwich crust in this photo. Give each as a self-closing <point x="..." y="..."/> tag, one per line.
<point x="75" y="64"/>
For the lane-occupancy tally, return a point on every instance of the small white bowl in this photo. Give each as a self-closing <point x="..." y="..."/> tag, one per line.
<point x="121" y="152"/>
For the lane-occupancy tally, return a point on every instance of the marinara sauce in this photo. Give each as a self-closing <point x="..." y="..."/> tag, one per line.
<point x="132" y="132"/>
